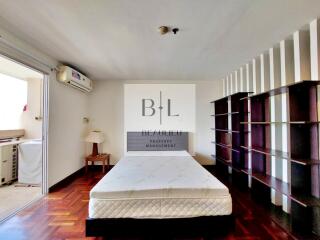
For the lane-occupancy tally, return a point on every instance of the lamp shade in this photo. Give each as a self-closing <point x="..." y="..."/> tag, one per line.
<point x="95" y="137"/>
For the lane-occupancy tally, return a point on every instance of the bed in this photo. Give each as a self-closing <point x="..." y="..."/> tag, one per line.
<point x="163" y="192"/>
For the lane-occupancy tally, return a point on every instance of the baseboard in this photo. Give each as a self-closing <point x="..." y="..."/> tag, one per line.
<point x="66" y="180"/>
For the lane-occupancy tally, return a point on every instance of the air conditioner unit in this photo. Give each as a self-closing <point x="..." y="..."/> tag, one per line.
<point x="72" y="77"/>
<point x="8" y="163"/>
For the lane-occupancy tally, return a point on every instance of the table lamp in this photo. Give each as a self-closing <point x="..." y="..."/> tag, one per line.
<point x="95" y="137"/>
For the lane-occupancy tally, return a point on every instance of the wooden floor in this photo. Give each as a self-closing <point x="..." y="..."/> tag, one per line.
<point x="61" y="215"/>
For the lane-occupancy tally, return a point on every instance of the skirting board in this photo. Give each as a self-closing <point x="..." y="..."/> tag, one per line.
<point x="64" y="182"/>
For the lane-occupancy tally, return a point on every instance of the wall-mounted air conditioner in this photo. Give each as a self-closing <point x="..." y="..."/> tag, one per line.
<point x="73" y="78"/>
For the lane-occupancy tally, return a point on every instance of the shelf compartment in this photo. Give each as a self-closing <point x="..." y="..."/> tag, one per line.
<point x="226" y="146"/>
<point x="224" y="161"/>
<point x="236" y="161"/>
<point x="305" y="182"/>
<point x="244" y="160"/>
<point x="267" y="151"/>
<point x="304" y="142"/>
<point x="303" y="102"/>
<point x="235" y="106"/>
<point x="284" y="155"/>
<point x="236" y="140"/>
<point x="221" y="106"/>
<point x="223" y="137"/>
<point x="222" y="152"/>
<point x="235" y="122"/>
<point x="221" y="122"/>
<point x="272" y="182"/>
<point x="259" y="163"/>
<point x="227" y="163"/>
<point x="260" y="110"/>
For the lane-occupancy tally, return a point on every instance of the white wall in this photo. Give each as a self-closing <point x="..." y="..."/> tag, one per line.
<point x="67" y="130"/>
<point x="67" y="109"/>
<point x="32" y="126"/>
<point x="106" y="111"/>
<point x="183" y="100"/>
<point x="182" y="97"/>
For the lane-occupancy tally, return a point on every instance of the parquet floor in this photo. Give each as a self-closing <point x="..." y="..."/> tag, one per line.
<point x="61" y="215"/>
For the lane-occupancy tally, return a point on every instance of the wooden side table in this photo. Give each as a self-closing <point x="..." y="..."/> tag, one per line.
<point x="103" y="157"/>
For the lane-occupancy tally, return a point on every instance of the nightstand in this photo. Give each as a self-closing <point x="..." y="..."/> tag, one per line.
<point x="103" y="157"/>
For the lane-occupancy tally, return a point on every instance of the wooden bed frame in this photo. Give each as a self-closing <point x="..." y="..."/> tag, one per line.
<point x="206" y="226"/>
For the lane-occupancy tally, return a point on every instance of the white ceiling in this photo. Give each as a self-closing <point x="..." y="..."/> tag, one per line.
<point x="118" y="39"/>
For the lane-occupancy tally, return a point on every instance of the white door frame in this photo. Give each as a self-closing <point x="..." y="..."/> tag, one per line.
<point x="45" y="132"/>
<point x="45" y="120"/>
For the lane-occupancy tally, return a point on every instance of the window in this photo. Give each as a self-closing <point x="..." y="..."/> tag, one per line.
<point x="13" y="99"/>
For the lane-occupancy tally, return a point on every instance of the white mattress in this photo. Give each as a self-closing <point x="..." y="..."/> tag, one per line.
<point x="158" y="185"/>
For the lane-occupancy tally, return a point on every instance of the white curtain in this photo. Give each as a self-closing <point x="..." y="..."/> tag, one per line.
<point x="13" y="99"/>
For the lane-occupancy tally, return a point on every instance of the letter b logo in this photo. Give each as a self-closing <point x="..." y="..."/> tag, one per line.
<point x="148" y="106"/>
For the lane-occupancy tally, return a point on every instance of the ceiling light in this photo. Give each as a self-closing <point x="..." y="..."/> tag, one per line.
<point x="163" y="30"/>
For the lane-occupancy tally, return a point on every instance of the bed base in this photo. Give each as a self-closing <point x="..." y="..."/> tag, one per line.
<point x="206" y="226"/>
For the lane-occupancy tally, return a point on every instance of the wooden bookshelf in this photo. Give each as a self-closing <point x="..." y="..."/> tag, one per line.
<point x="227" y="129"/>
<point x="304" y="145"/>
<point x="303" y="132"/>
<point x="247" y="127"/>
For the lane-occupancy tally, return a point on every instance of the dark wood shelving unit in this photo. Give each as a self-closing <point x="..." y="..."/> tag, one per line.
<point x="222" y="132"/>
<point x="250" y="135"/>
<point x="304" y="137"/>
<point x="228" y="113"/>
<point x="304" y="188"/>
<point x="260" y="151"/>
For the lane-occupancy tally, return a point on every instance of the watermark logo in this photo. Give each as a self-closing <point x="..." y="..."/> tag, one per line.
<point x="150" y="108"/>
<point x="160" y="133"/>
